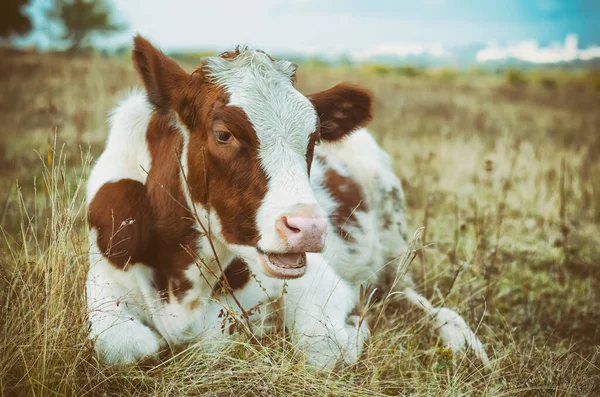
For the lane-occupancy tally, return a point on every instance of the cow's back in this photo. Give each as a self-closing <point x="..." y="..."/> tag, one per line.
<point x="355" y="184"/>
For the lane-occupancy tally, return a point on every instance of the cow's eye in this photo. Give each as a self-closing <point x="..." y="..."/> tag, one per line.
<point x="224" y="136"/>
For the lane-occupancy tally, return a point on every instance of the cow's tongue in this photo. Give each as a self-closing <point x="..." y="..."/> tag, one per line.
<point x="288" y="261"/>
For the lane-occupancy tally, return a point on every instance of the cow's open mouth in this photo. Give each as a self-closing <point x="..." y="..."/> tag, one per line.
<point x="283" y="265"/>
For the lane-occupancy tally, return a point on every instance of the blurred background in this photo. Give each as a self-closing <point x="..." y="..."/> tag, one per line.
<point x="489" y="110"/>
<point x="460" y="33"/>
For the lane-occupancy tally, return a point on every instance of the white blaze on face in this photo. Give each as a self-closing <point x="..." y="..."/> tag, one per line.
<point x="283" y="119"/>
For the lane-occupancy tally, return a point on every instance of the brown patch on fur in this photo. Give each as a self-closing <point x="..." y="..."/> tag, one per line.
<point x="234" y="277"/>
<point x="356" y="311"/>
<point x="173" y="221"/>
<point x="231" y="54"/>
<point x="387" y="221"/>
<point x="349" y="197"/>
<point x="157" y="228"/>
<point x="121" y="214"/>
<point x="194" y="304"/>
<point x="161" y="235"/>
<point x="228" y="178"/>
<point x="342" y="109"/>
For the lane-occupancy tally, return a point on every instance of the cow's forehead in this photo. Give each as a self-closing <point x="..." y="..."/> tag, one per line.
<point x="263" y="88"/>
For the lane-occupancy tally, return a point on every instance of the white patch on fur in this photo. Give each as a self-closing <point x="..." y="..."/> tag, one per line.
<point x="126" y="154"/>
<point x="283" y="119"/>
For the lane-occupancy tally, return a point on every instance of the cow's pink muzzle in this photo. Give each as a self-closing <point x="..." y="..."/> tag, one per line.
<point x="302" y="234"/>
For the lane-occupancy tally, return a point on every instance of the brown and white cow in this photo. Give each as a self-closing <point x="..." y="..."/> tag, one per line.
<point x="218" y="186"/>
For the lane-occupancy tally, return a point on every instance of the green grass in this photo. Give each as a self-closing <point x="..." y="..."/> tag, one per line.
<point x="505" y="179"/>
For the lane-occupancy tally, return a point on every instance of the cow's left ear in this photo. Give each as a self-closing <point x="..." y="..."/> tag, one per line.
<point x="341" y="110"/>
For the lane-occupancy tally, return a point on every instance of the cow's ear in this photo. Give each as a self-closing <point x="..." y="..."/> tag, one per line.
<point x="341" y="110"/>
<point x="163" y="78"/>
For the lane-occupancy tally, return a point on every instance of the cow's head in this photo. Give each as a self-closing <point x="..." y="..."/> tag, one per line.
<point x="249" y="138"/>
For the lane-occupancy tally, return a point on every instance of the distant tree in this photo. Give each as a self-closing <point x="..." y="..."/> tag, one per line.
<point x="83" y="19"/>
<point x="13" y="21"/>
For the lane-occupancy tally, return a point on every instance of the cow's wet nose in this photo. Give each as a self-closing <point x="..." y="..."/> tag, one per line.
<point x="303" y="233"/>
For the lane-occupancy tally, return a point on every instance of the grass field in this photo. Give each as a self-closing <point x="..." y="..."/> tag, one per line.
<point x="503" y="173"/>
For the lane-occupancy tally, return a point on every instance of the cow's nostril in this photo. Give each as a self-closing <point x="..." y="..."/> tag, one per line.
<point x="290" y="227"/>
<point x="302" y="233"/>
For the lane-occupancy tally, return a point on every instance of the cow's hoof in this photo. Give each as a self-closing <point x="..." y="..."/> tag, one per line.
<point x="456" y="334"/>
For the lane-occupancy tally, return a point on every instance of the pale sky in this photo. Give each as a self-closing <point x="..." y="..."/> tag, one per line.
<point x="336" y="25"/>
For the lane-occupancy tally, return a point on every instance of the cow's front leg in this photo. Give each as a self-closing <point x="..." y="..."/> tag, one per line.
<point x="124" y="340"/>
<point x="115" y="312"/>
<point x="318" y="312"/>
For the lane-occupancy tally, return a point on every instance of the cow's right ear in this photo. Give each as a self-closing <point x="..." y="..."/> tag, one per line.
<point x="163" y="78"/>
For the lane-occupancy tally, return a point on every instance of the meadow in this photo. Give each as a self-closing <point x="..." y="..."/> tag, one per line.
<point x="502" y="178"/>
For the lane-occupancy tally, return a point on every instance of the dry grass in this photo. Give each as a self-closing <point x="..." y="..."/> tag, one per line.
<point x="513" y="240"/>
